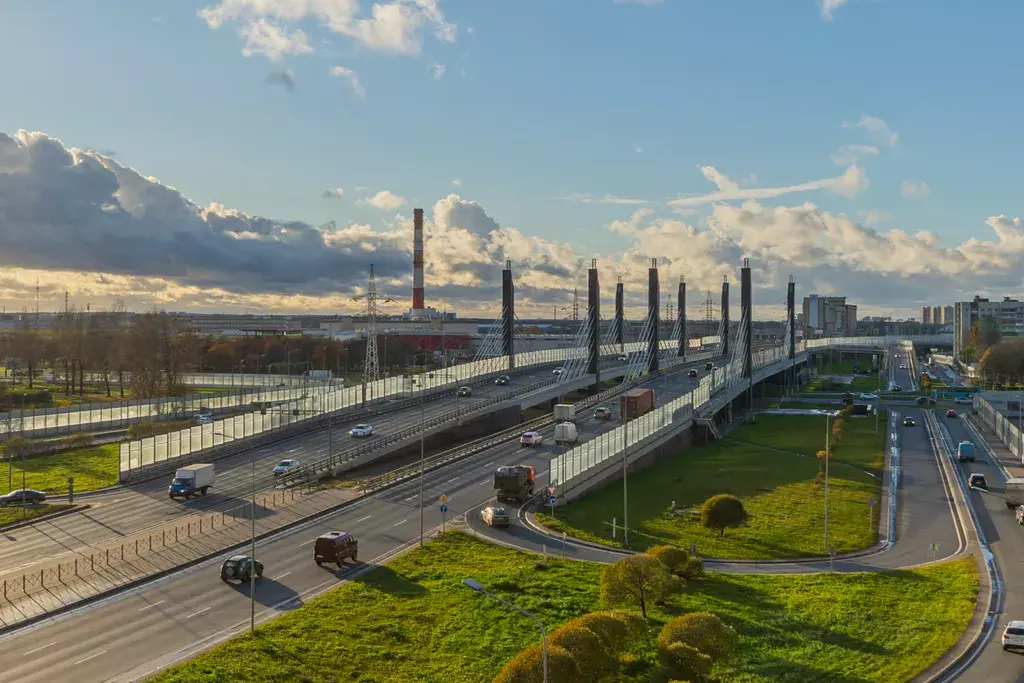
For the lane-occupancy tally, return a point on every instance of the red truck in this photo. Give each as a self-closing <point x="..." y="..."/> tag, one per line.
<point x="635" y="402"/>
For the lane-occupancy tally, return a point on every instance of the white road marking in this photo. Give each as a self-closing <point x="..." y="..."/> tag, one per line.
<point x="402" y="522"/>
<point x="143" y="609"/>
<point x="38" y="649"/>
<point x="363" y="519"/>
<point x="196" y="614"/>
<point x="82" y="661"/>
<point x="451" y="480"/>
<point x="278" y="578"/>
<point x="484" y="482"/>
<point x="412" y="497"/>
<point x="307" y="542"/>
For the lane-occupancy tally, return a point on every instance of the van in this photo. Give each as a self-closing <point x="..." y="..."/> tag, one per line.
<point x="335" y="546"/>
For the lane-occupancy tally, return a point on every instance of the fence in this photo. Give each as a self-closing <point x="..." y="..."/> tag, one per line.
<point x="1008" y="432"/>
<point x="234" y="380"/>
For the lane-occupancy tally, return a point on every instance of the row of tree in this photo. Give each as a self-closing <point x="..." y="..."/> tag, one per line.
<point x="984" y="334"/>
<point x="1003" y="363"/>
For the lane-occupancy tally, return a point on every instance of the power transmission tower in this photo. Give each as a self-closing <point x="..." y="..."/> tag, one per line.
<point x="669" y="310"/>
<point x="575" y="308"/>
<point x="371" y="366"/>
<point x="709" y="309"/>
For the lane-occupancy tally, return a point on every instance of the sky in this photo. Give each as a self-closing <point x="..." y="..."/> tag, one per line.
<point x="259" y="155"/>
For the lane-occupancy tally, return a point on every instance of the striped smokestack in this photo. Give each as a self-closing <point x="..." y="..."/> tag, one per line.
<point x="418" y="311"/>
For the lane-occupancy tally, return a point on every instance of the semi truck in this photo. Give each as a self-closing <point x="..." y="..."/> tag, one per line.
<point x="636" y="402"/>
<point x="191" y="480"/>
<point x="565" y="412"/>
<point x="1014" y="492"/>
<point x="566" y="433"/>
<point x="514" y="483"/>
<point x="965" y="451"/>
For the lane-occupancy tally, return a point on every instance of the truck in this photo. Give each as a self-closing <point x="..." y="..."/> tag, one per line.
<point x="322" y="375"/>
<point x="566" y="433"/>
<point x="965" y="451"/>
<point x="565" y="412"/>
<point x="514" y="483"/>
<point x="191" y="480"/>
<point x="1014" y="492"/>
<point x="636" y="402"/>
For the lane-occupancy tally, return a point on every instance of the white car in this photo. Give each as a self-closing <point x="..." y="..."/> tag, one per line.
<point x="963" y="400"/>
<point x="286" y="466"/>
<point x="1013" y="636"/>
<point x="558" y="371"/>
<point x="531" y="439"/>
<point x="868" y="397"/>
<point x="903" y="366"/>
<point x="623" y="356"/>
<point x="361" y="431"/>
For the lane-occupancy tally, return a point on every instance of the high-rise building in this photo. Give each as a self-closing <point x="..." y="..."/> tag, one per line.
<point x="829" y="316"/>
<point x="1005" y="317"/>
<point x="947" y="315"/>
<point x="926" y="314"/>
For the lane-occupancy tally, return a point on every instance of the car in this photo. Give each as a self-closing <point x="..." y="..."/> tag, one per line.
<point x="602" y="413"/>
<point x="494" y="516"/>
<point x="963" y="400"/>
<point x="709" y="366"/>
<point x="925" y="401"/>
<point x="531" y="439"/>
<point x="286" y="466"/>
<point x="202" y="419"/>
<point x="977" y="481"/>
<point x="558" y="371"/>
<point x="360" y="431"/>
<point x="950" y="413"/>
<point x="867" y="396"/>
<point x="903" y="366"/>
<point x="464" y="391"/>
<point x="895" y="387"/>
<point x="692" y="373"/>
<point x="335" y="546"/>
<point x="1013" y="635"/>
<point x="15" y="497"/>
<point x="909" y="422"/>
<point x="241" y="568"/>
<point x="503" y="380"/>
<point x="622" y="357"/>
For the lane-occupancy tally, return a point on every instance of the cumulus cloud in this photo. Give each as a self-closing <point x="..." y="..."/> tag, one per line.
<point x="336" y="193"/>
<point x="584" y="198"/>
<point x="437" y="70"/>
<point x="915" y="189"/>
<point x="350" y="76"/>
<point x="850" y="155"/>
<point x="849" y="184"/>
<point x="876" y="128"/>
<point x="273" y="42"/>
<point x="457" y="183"/>
<point x="385" y="200"/>
<point x="829" y="7"/>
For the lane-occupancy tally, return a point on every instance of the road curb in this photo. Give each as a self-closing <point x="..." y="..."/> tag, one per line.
<point x="43" y="518"/>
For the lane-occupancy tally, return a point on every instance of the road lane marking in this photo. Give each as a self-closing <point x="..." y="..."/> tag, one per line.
<point x="143" y="609"/>
<point x="82" y="661"/>
<point x="484" y="482"/>
<point x="38" y="649"/>
<point x="196" y="614"/>
<point x="363" y="519"/>
<point x="278" y="578"/>
<point x="307" y="542"/>
<point x="415" y="495"/>
<point x="402" y="522"/>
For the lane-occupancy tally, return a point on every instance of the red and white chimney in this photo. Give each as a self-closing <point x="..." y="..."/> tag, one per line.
<point x="418" y="311"/>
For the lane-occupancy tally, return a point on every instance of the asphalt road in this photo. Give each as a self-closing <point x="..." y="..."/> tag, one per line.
<point x="153" y="626"/>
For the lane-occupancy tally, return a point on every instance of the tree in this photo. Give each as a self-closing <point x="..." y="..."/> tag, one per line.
<point x="926" y="380"/>
<point x="159" y="350"/>
<point x="721" y="512"/>
<point x="702" y="631"/>
<point x="678" y="561"/>
<point x="637" y="579"/>
<point x="615" y="627"/>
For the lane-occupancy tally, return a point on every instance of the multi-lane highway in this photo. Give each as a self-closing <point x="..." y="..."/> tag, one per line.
<point x="134" y="633"/>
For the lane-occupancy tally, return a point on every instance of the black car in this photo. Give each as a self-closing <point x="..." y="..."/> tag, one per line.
<point x="908" y="422"/>
<point x="926" y="401"/>
<point x="241" y="568"/>
<point x="977" y="481"/>
<point x="16" y="497"/>
<point x="503" y="380"/>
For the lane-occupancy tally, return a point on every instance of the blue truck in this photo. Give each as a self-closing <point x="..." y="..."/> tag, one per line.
<point x="191" y="480"/>
<point x="965" y="451"/>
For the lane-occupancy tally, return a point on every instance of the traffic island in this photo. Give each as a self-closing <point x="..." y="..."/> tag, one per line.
<point x="414" y="620"/>
<point x="773" y="467"/>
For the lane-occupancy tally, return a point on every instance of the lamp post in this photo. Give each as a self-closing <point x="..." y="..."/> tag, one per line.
<point x="478" y="587"/>
<point x="828" y="418"/>
<point x="288" y="360"/>
<point x="252" y="574"/>
<point x="422" y="450"/>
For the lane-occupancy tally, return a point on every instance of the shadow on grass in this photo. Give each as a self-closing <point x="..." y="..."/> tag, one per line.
<point x="386" y="580"/>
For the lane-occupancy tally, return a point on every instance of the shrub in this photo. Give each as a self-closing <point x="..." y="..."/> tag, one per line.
<point x="79" y="440"/>
<point x="721" y="512"/>
<point x="637" y="579"/>
<point x="616" y="628"/>
<point x="684" y="663"/>
<point x="678" y="561"/>
<point x="528" y="667"/>
<point x="144" y="430"/>
<point x="702" y="631"/>
<point x="588" y="649"/>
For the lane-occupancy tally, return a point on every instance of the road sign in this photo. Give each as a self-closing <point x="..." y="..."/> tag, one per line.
<point x="552" y="500"/>
<point x="444" y="509"/>
<point x="551" y="489"/>
<point x="872" y="502"/>
<point x="935" y="547"/>
<point x="443" y="499"/>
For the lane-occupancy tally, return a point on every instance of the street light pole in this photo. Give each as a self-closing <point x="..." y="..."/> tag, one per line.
<point x="422" y="449"/>
<point x="828" y="456"/>
<point x="252" y="573"/>
<point x="478" y="587"/>
<point x="625" y="488"/>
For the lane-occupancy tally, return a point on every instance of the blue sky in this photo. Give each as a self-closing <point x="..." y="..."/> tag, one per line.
<point x="544" y="100"/>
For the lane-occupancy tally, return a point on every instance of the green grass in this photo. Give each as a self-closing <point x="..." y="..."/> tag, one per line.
<point x="10" y="515"/>
<point x="413" y="621"/>
<point x="778" y="490"/>
<point x="93" y="468"/>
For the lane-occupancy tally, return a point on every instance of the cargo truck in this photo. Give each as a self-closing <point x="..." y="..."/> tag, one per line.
<point x="565" y="412"/>
<point x="514" y="483"/>
<point x="635" y="402"/>
<point x="965" y="451"/>
<point x="566" y="433"/>
<point x="1014" y="492"/>
<point x="191" y="480"/>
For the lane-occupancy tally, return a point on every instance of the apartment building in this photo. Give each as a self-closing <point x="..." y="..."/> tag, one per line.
<point x="828" y="316"/>
<point x="1006" y="316"/>
<point x="926" y="314"/>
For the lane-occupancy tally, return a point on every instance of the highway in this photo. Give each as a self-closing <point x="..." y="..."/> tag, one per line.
<point x="134" y="633"/>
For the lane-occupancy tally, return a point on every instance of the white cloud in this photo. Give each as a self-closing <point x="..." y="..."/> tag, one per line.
<point x="350" y="76"/>
<point x="438" y="71"/>
<point x="853" y="181"/>
<point x="273" y="42"/>
<point x="915" y="189"/>
<point x="648" y="3"/>
<point x="829" y="7"/>
<point x="336" y="193"/>
<point x="385" y="200"/>
<point x="457" y="183"/>
<point x="583" y="198"/>
<point x="876" y="128"/>
<point x="638" y="149"/>
<point x="850" y="155"/>
<point x="871" y="217"/>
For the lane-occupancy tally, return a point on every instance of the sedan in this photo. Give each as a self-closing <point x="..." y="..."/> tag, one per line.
<point x="692" y="373"/>
<point x="977" y="481"/>
<point x="603" y="413"/>
<point x="909" y="422"/>
<point x="622" y="357"/>
<point x="963" y="400"/>
<point x="241" y="567"/>
<point x="503" y="380"/>
<point x="360" y="431"/>
<point x="950" y="413"/>
<point x="868" y="397"/>
<point x="465" y="391"/>
<point x="286" y="466"/>
<point x="494" y="516"/>
<point x="16" y="498"/>
<point x="558" y="371"/>
<point x="903" y="366"/>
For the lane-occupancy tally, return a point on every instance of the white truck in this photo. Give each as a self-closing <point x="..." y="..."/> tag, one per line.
<point x="565" y="412"/>
<point x="191" y="480"/>
<point x="566" y="433"/>
<point x="322" y="375"/>
<point x="1014" y="492"/>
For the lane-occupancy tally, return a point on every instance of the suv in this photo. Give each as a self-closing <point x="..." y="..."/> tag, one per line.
<point x="909" y="422"/>
<point x="963" y="400"/>
<point x="692" y="373"/>
<point x="335" y="546"/>
<point x="925" y="401"/>
<point x="531" y="439"/>
<point x="977" y="481"/>
<point x="240" y="567"/>
<point x="1013" y="636"/>
<point x="465" y="391"/>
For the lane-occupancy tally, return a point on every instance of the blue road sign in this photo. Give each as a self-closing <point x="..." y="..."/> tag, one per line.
<point x="444" y="509"/>
<point x="552" y="500"/>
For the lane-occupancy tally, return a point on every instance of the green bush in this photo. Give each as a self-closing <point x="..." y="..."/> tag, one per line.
<point x="79" y="440"/>
<point x="528" y="667"/>
<point x="678" y="561"/>
<point x="588" y="649"/>
<point x="616" y="628"/>
<point x="722" y="511"/>
<point x="634" y="580"/>
<point x="684" y="663"/>
<point x="702" y="631"/>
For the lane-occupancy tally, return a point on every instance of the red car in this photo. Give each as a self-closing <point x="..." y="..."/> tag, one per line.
<point x="950" y="413"/>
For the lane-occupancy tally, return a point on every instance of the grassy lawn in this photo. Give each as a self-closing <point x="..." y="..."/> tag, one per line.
<point x="778" y="490"/>
<point x="94" y="393"/>
<point x="413" y="621"/>
<point x="844" y="366"/>
<point x="93" y="468"/>
<point x="10" y="515"/>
